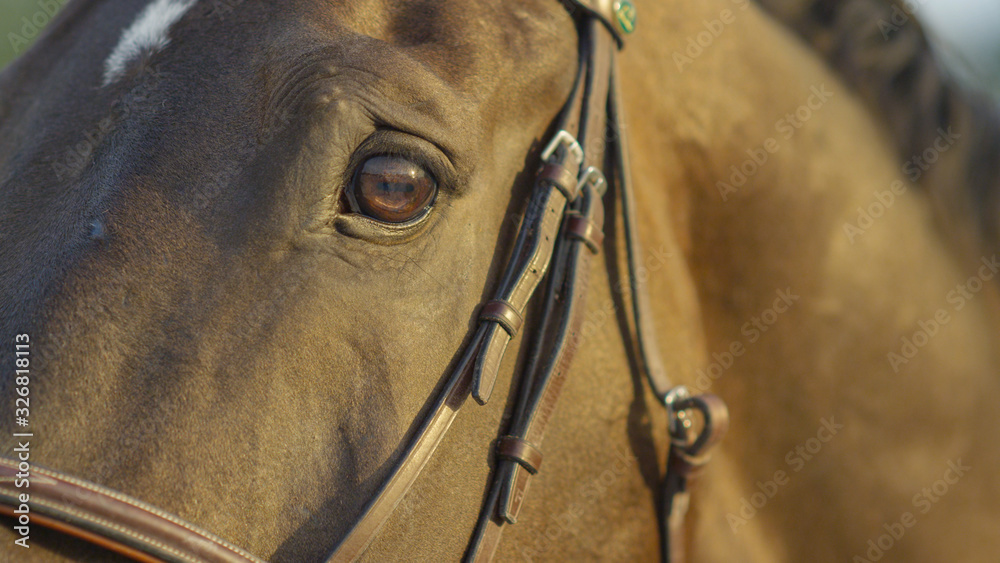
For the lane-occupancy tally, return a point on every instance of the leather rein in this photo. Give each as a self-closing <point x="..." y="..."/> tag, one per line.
<point x="561" y="231"/>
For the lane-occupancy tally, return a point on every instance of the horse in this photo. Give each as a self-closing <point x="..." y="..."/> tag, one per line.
<point x="218" y="328"/>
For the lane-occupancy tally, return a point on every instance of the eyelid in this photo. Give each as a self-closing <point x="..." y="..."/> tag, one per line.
<point x="391" y="142"/>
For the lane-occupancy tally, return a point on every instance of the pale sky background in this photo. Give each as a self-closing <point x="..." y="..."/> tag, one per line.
<point x="975" y="21"/>
<point x="972" y="27"/>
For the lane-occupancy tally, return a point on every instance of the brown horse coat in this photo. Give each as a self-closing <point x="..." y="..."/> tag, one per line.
<point x="216" y="337"/>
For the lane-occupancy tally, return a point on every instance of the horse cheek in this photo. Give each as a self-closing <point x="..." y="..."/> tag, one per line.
<point x="921" y="502"/>
<point x="955" y="300"/>
<point x="786" y="129"/>
<point x="795" y="462"/>
<point x="752" y="333"/>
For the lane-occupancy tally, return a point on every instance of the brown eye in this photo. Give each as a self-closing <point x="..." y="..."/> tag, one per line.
<point x="392" y="189"/>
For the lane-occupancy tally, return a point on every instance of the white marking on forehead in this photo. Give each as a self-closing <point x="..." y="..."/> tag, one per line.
<point x="149" y="33"/>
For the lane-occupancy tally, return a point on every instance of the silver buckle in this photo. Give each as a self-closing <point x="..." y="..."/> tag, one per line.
<point x="563" y="139"/>
<point x="677" y="421"/>
<point x="595" y="179"/>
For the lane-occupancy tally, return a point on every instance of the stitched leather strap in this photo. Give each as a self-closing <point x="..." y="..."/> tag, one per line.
<point x="113" y="520"/>
<point x="550" y="359"/>
<point x="533" y="420"/>
<point x="538" y="395"/>
<point x="530" y="262"/>
<point x="533" y="415"/>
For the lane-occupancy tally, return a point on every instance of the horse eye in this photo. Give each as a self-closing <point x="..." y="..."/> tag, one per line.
<point x="392" y="189"/>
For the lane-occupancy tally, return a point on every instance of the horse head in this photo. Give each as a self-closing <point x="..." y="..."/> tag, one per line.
<point x="251" y="238"/>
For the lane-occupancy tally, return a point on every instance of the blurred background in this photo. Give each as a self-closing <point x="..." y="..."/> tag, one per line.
<point x="966" y="31"/>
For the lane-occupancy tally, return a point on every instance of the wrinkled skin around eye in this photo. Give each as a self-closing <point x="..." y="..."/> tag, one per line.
<point x="393" y="189"/>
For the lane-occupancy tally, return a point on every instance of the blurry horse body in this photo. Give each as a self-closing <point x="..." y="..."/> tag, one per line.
<point x="214" y="336"/>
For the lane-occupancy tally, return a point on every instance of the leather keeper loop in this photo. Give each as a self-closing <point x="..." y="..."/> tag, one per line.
<point x="579" y="227"/>
<point x="562" y="178"/>
<point x="504" y="314"/>
<point x="525" y="454"/>
<point x="688" y="466"/>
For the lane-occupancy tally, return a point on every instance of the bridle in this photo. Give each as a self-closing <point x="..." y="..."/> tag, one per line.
<point x="560" y="232"/>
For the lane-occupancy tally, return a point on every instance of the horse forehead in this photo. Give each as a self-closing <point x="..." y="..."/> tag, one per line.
<point x="442" y="22"/>
<point x="469" y="46"/>
<point x="148" y="33"/>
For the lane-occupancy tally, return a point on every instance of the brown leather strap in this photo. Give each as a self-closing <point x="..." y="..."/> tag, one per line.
<point x="90" y="537"/>
<point x="521" y="451"/>
<point x="539" y="389"/>
<point x="695" y="448"/>
<point x="533" y="248"/>
<point x="127" y="526"/>
<point x="649" y="357"/>
<point x="533" y="255"/>
<point x="563" y="178"/>
<point x="503" y="313"/>
<point x="685" y="461"/>
<point x="540" y="393"/>
<point x="549" y="386"/>
<point x="589" y="233"/>
<point x="687" y="458"/>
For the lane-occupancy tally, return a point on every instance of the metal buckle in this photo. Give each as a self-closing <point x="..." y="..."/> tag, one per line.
<point x="678" y="422"/>
<point x="691" y="442"/>
<point x="566" y="141"/>
<point x="594" y="178"/>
